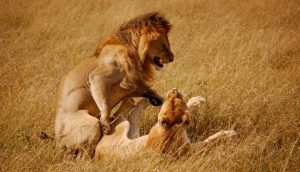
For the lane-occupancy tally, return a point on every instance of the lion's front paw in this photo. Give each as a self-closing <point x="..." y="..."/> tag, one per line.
<point x="155" y="101"/>
<point x="105" y="127"/>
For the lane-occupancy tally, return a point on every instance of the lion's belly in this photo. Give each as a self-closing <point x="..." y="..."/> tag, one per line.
<point x="117" y="94"/>
<point x="91" y="107"/>
<point x="81" y="99"/>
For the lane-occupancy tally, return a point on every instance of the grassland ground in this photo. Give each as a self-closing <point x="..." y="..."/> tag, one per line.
<point x="242" y="56"/>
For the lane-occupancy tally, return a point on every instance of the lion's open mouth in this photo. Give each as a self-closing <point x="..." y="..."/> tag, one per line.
<point x="156" y="61"/>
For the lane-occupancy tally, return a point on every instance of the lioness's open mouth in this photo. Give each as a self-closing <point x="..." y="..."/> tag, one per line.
<point x="156" y="61"/>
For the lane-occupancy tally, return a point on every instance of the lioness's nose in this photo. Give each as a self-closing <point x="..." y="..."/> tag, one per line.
<point x="174" y="90"/>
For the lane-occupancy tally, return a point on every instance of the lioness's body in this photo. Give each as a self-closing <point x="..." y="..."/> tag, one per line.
<point x="172" y="140"/>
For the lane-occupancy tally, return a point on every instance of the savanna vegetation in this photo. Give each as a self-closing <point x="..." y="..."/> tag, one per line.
<point x="242" y="56"/>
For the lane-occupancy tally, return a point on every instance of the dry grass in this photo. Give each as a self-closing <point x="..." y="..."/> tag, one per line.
<point x="244" y="57"/>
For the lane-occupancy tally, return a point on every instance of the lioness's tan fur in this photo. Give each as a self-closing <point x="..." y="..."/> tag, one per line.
<point x="168" y="136"/>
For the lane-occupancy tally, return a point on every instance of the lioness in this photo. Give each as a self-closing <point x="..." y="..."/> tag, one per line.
<point x="123" y="67"/>
<point x="167" y="136"/>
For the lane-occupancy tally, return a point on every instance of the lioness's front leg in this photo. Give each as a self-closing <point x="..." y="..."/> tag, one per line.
<point x="101" y="80"/>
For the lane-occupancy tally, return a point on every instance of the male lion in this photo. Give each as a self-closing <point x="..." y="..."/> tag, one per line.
<point x="123" y="67"/>
<point x="167" y="136"/>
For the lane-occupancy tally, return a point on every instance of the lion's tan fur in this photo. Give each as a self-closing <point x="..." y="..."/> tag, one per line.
<point x="121" y="68"/>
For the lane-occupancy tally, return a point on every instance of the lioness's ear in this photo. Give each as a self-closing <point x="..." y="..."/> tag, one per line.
<point x="164" y="122"/>
<point x="186" y="117"/>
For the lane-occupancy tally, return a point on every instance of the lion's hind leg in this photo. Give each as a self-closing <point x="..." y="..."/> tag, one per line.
<point x="77" y="131"/>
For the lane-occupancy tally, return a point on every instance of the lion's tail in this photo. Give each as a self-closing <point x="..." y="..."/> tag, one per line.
<point x="44" y="136"/>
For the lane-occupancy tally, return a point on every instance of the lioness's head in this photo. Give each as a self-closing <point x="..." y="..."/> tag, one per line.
<point x="168" y="136"/>
<point x="174" y="110"/>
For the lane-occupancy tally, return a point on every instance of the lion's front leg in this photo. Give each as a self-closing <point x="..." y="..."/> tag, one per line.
<point x="101" y="80"/>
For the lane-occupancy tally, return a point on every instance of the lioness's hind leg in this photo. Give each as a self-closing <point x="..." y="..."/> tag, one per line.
<point x="194" y="104"/>
<point x="134" y="130"/>
<point x="228" y="134"/>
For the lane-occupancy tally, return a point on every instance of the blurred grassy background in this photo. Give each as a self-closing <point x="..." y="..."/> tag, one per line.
<point x="243" y="56"/>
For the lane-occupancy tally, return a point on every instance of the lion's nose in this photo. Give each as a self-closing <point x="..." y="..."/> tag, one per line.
<point x="171" y="58"/>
